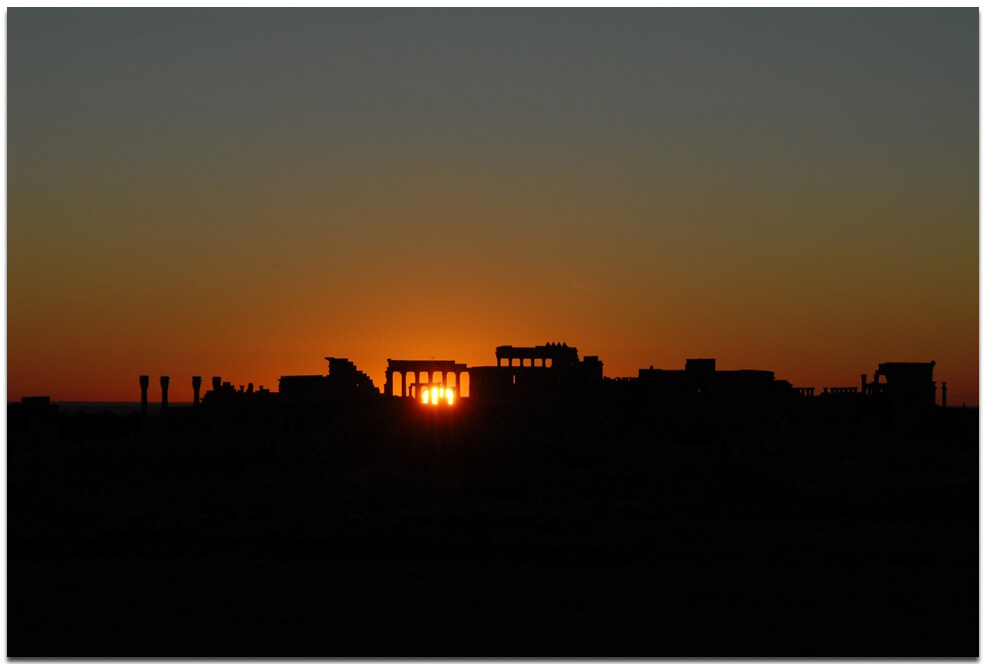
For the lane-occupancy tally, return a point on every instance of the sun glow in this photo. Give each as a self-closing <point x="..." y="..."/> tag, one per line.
<point x="436" y="395"/>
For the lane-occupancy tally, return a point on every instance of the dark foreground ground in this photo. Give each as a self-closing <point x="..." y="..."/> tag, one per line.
<point x="388" y="533"/>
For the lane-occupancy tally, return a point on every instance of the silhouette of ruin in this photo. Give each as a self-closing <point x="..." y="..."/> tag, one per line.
<point x="528" y="507"/>
<point x="344" y="382"/>
<point x="903" y="385"/>
<point x="554" y="374"/>
<point x="547" y="371"/>
<point x="423" y="375"/>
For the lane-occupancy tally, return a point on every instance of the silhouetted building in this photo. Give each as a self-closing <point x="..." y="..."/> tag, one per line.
<point x="145" y="382"/>
<point x="428" y="368"/>
<point x="904" y="386"/>
<point x="551" y="355"/>
<point x="223" y="395"/>
<point x="343" y="382"/>
<point x="553" y="369"/>
<point x="164" y="393"/>
<point x="37" y="404"/>
<point x="701" y="391"/>
<point x="697" y="366"/>
<point x="33" y="420"/>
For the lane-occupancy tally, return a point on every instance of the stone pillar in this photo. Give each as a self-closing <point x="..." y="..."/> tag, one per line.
<point x="196" y="386"/>
<point x="404" y="384"/>
<point x="499" y="361"/>
<point x="144" y="382"/>
<point x="444" y="379"/>
<point x="862" y="383"/>
<point x="388" y="386"/>
<point x="164" y="393"/>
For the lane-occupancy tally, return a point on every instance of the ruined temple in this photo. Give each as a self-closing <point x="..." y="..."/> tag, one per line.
<point x="343" y="382"/>
<point x="554" y="372"/>
<point x="424" y="374"/>
<point x="903" y="385"/>
<point x="553" y="369"/>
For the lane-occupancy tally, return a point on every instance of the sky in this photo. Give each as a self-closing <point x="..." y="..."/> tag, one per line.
<point x="240" y="193"/>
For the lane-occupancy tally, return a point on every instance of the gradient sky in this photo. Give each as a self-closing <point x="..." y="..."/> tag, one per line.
<point x="242" y="192"/>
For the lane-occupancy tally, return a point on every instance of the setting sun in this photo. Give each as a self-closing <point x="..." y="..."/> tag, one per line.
<point x="436" y="395"/>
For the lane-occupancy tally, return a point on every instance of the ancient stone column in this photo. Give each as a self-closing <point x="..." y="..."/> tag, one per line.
<point x="164" y="393"/>
<point x="145" y="381"/>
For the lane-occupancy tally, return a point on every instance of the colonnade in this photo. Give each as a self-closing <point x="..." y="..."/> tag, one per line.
<point x="411" y="389"/>
<point x="422" y="372"/>
<point x="145" y="382"/>
<point x="545" y="361"/>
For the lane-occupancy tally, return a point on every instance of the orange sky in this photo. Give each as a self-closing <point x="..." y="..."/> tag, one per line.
<point x="244" y="193"/>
